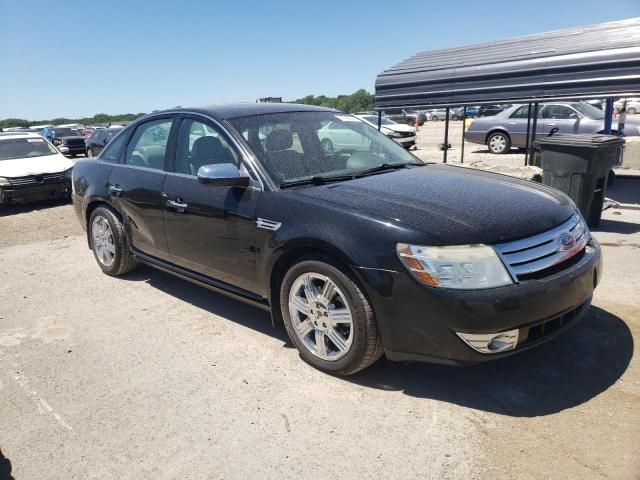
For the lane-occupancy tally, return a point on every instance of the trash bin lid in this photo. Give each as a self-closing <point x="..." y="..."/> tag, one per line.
<point x="581" y="140"/>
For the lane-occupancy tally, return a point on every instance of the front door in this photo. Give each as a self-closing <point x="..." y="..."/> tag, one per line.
<point x="135" y="186"/>
<point x="562" y="117"/>
<point x="517" y="126"/>
<point x="210" y="229"/>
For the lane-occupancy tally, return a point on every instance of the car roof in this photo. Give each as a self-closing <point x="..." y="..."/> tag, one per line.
<point x="236" y="110"/>
<point x="7" y="135"/>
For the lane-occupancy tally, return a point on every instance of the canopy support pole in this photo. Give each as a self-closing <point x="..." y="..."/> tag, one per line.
<point x="464" y="120"/>
<point x="446" y="136"/>
<point x="608" y="115"/>
<point x="533" y="131"/>
<point x="526" y="142"/>
<point x="379" y="120"/>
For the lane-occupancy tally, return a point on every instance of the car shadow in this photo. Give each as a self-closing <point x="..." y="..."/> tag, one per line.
<point x="5" y="467"/>
<point x="617" y="226"/>
<point x="625" y="189"/>
<point x="216" y="303"/>
<point x="19" y="208"/>
<point x="513" y="151"/>
<point x="563" y="373"/>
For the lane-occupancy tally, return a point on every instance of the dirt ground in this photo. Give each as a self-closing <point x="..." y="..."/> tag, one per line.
<point x="148" y="376"/>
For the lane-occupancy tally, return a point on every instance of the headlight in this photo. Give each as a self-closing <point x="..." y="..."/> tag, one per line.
<point x="4" y="182"/>
<point x="393" y="134"/>
<point x="57" y="141"/>
<point x="67" y="173"/>
<point x="463" y="267"/>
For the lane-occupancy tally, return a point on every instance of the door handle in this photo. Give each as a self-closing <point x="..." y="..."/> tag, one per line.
<point x="179" y="206"/>
<point x="551" y="124"/>
<point x="512" y="123"/>
<point x="115" y="190"/>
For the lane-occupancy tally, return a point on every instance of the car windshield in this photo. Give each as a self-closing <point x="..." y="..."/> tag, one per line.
<point x="373" y="119"/>
<point x="588" y="110"/>
<point x="295" y="146"/>
<point x="65" y="132"/>
<point x="13" y="148"/>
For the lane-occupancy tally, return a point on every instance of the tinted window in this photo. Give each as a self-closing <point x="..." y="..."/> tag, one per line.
<point x="523" y="112"/>
<point x="148" y="144"/>
<point x="111" y="153"/>
<point x="200" y="144"/>
<point x="558" y="112"/>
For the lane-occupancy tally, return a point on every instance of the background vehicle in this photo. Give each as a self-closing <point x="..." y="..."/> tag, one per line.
<point x="68" y="141"/>
<point x="354" y="250"/>
<point x="32" y="169"/>
<point x="632" y="104"/>
<point x="408" y="117"/>
<point x="99" y="139"/>
<point x="403" y="134"/>
<point x="436" y="114"/>
<point x="490" y="110"/>
<point x="508" y="128"/>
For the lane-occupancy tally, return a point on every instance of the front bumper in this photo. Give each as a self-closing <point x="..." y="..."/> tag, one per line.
<point x="420" y="323"/>
<point x="34" y="193"/>
<point x="406" y="142"/>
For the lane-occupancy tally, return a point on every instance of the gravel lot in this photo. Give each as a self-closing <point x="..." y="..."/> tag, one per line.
<point x="148" y="376"/>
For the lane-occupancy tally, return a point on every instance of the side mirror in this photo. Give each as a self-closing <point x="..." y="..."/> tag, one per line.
<point x="222" y="175"/>
<point x="573" y="116"/>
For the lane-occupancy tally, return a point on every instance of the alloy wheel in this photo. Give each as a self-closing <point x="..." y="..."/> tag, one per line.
<point x="321" y="316"/>
<point x="103" y="243"/>
<point x="497" y="143"/>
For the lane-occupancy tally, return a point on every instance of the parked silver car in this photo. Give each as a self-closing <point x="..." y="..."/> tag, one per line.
<point x="508" y="128"/>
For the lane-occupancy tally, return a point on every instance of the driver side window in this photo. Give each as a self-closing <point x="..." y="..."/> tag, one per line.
<point x="201" y="144"/>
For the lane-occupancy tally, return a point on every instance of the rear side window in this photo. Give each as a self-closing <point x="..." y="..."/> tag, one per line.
<point x="148" y="144"/>
<point x="112" y="152"/>
<point x="523" y="112"/>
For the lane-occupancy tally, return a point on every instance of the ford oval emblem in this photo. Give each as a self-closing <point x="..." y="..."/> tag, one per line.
<point x="566" y="241"/>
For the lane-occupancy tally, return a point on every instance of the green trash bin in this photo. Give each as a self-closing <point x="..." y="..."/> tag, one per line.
<point x="579" y="166"/>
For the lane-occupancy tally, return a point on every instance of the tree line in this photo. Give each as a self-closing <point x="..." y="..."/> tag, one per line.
<point x="359" y="101"/>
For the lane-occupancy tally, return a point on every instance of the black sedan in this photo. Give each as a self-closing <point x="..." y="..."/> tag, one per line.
<point x="99" y="139"/>
<point x="360" y="251"/>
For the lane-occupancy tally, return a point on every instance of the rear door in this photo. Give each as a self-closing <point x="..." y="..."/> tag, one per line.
<point x="516" y="125"/>
<point x="210" y="229"/>
<point x="135" y="185"/>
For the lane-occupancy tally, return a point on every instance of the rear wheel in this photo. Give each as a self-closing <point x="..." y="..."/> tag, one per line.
<point x="328" y="318"/>
<point x="109" y="243"/>
<point x="411" y="121"/>
<point x="499" y="142"/>
<point x="434" y="118"/>
<point x="631" y="111"/>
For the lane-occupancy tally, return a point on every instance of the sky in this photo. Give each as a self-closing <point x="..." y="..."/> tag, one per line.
<point x="74" y="59"/>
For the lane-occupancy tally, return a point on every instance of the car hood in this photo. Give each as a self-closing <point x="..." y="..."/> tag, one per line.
<point x="21" y="167"/>
<point x="71" y="137"/>
<point x="455" y="205"/>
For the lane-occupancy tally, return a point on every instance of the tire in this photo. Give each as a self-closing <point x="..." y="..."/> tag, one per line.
<point x="631" y="111"/>
<point x="327" y="146"/>
<point x="434" y="118"/>
<point x="499" y="143"/>
<point x="595" y="210"/>
<point x="411" y="121"/>
<point x="361" y="344"/>
<point x="118" y="259"/>
<point x="611" y="178"/>
<point x="89" y="153"/>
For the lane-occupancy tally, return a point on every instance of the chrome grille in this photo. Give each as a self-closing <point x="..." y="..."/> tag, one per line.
<point x="542" y="251"/>
<point x="31" y="180"/>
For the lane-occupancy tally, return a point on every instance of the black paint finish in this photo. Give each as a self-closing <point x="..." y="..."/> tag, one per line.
<point x="214" y="240"/>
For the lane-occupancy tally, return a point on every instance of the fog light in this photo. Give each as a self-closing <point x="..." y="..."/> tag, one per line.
<point x="491" y="342"/>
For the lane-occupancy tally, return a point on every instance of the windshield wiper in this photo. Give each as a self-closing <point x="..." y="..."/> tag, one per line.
<point x="384" y="167"/>
<point x="315" y="180"/>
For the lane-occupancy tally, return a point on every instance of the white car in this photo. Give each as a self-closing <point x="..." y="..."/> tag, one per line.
<point x="403" y="134"/>
<point x="632" y="105"/>
<point x="32" y="169"/>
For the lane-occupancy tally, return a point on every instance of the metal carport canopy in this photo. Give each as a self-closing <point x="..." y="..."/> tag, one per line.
<point x="597" y="61"/>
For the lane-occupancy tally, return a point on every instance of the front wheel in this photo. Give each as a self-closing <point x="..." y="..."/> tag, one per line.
<point x="109" y="243"/>
<point x="89" y="153"/>
<point x="499" y="142"/>
<point x="631" y="111"/>
<point x="327" y="146"/>
<point x="328" y="318"/>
